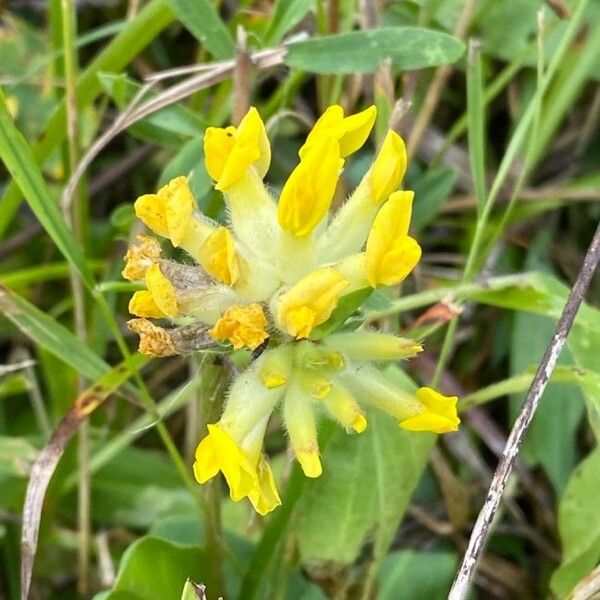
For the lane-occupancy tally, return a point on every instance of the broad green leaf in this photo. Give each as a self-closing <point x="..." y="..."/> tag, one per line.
<point x="152" y="568"/>
<point x="202" y="20"/>
<point x="560" y="411"/>
<point x="579" y="525"/>
<point x="166" y="126"/>
<point x="416" y="575"/>
<point x="366" y="485"/>
<point x="556" y="418"/>
<point x="138" y="33"/>
<point x="16" y="456"/>
<point x="286" y="14"/>
<point x="21" y="164"/>
<point x="408" y="48"/>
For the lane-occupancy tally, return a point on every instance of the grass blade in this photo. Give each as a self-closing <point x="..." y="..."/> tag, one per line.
<point x="475" y="117"/>
<point x="20" y="162"/>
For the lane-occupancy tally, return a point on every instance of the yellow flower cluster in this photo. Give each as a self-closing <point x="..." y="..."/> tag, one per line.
<point x="278" y="272"/>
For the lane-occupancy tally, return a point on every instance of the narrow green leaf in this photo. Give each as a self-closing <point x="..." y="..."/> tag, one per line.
<point x="408" y="48"/>
<point x="475" y="119"/>
<point x="286" y="14"/>
<point x="21" y="164"/>
<point x="17" y="456"/>
<point x="48" y="333"/>
<point x="202" y="20"/>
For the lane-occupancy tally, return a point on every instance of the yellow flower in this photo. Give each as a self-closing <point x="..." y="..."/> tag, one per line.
<point x="308" y="192"/>
<point x="142" y="305"/>
<point x="391" y="254"/>
<point x="389" y="166"/>
<point x="141" y="257"/>
<point x="351" y="132"/>
<point x="162" y="291"/>
<point x="264" y="496"/>
<point x="229" y="152"/>
<point x="438" y="413"/>
<point x="310" y="302"/>
<point x="219" y="452"/>
<point x="299" y="261"/>
<point x="217" y="256"/>
<point x="242" y="326"/>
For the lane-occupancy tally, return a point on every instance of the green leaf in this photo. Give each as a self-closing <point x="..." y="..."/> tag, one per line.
<point x="48" y="333"/>
<point x="202" y="20"/>
<point x="286" y="14"/>
<point x="476" y="123"/>
<point x="357" y="492"/>
<point x="416" y="575"/>
<point x="21" y="164"/>
<point x="152" y="568"/>
<point x="408" y="48"/>
<point x="579" y="526"/>
<point x="555" y="418"/>
<point x="166" y="126"/>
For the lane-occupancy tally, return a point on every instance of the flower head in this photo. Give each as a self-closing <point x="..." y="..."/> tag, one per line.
<point x="270" y="279"/>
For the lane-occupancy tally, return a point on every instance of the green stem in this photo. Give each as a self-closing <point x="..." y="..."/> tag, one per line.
<point x="211" y="402"/>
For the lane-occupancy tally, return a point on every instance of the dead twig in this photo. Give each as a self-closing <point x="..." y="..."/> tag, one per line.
<point x="544" y="371"/>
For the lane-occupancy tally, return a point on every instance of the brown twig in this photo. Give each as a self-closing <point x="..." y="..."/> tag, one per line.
<point x="241" y="77"/>
<point x="484" y="520"/>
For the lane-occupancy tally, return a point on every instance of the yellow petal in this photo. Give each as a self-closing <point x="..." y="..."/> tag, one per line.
<point x="230" y="152"/>
<point x="389" y="166"/>
<point x="264" y="496"/>
<point x="391" y="254"/>
<point x="150" y="209"/>
<point x="179" y="208"/>
<point x="308" y="192"/>
<point x="142" y="305"/>
<point x="310" y="462"/>
<point x="243" y="326"/>
<point x="351" y="132"/>
<point x="218" y="258"/>
<point x="342" y="406"/>
<point x="439" y="413"/>
<point x="140" y="257"/>
<point x="356" y="130"/>
<point x="311" y="301"/>
<point x="162" y="291"/>
<point x="276" y="366"/>
<point x="218" y="143"/>
<point x="220" y="452"/>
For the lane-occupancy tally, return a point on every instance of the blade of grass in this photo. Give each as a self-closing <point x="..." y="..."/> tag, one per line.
<point x="476" y="121"/>
<point x="21" y="164"/>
